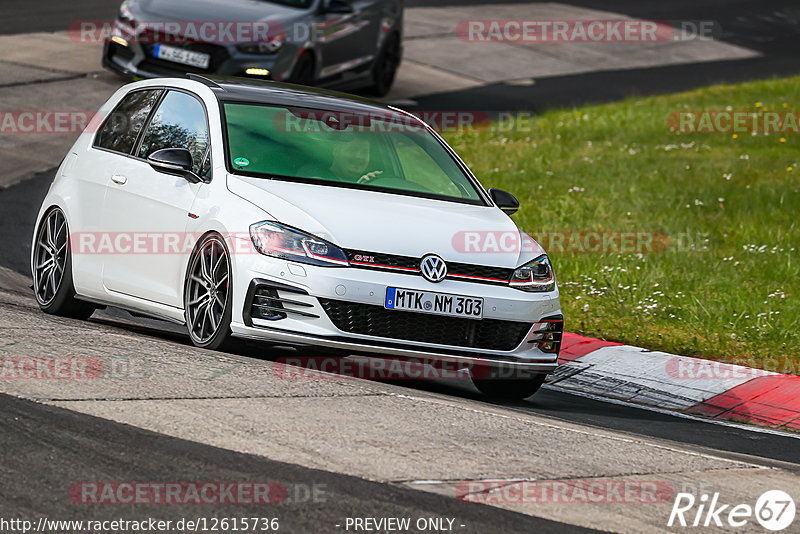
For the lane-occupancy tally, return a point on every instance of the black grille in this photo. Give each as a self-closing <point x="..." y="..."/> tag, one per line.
<point x="366" y="319"/>
<point x="267" y="305"/>
<point x="480" y="271"/>
<point x="263" y="301"/>
<point x="122" y="52"/>
<point x="410" y="265"/>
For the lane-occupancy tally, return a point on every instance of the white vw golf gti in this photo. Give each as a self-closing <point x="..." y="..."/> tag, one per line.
<point x="295" y="216"/>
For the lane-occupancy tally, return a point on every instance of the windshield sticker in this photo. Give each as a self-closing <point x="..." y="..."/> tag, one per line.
<point x="241" y="162"/>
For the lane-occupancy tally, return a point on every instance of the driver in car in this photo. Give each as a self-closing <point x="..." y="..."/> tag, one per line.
<point x="351" y="158"/>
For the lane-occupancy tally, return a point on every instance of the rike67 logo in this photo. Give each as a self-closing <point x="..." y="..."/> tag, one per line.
<point x="774" y="510"/>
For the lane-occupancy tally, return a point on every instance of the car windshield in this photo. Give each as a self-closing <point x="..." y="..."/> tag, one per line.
<point x="389" y="152"/>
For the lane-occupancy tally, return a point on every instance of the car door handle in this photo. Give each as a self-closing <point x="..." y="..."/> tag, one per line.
<point x="118" y="178"/>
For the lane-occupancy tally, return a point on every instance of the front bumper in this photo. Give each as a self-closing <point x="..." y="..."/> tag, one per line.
<point x="136" y="60"/>
<point x="306" y="322"/>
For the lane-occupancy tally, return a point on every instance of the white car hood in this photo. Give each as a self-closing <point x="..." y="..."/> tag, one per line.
<point x="371" y="221"/>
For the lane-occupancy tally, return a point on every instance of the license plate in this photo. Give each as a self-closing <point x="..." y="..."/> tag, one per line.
<point x="179" y="55"/>
<point x="435" y="303"/>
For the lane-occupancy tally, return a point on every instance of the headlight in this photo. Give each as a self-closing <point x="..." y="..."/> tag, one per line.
<point x="279" y="241"/>
<point x="271" y="46"/>
<point x="125" y="12"/>
<point x="536" y="275"/>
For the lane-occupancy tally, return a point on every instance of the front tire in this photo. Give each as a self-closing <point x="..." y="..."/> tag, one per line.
<point x="386" y="65"/>
<point x="208" y="294"/>
<point x="518" y="388"/>
<point x="52" y="269"/>
<point x="303" y="73"/>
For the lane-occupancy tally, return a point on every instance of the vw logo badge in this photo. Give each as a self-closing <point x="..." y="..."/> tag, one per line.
<point x="433" y="268"/>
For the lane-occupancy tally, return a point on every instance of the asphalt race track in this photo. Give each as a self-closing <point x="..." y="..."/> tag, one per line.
<point x="379" y="449"/>
<point x="62" y="446"/>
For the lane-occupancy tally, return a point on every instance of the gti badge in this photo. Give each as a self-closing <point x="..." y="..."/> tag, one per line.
<point x="433" y="268"/>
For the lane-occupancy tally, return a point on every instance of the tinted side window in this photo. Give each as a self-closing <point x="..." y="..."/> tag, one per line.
<point x="122" y="127"/>
<point x="179" y="122"/>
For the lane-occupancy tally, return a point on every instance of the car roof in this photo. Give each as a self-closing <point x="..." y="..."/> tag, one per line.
<point x="247" y="90"/>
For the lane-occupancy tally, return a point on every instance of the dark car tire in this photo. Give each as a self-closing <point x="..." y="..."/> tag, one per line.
<point x="386" y="65"/>
<point x="60" y="301"/>
<point x="217" y="335"/>
<point x="303" y="72"/>
<point x="509" y="388"/>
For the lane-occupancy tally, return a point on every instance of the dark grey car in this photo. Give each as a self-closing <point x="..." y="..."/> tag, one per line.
<point x="343" y="44"/>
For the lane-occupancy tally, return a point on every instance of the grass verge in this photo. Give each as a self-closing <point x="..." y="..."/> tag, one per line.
<point x="725" y="281"/>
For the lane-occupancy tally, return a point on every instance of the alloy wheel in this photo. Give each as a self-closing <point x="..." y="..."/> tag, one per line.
<point x="51" y="257"/>
<point x="207" y="290"/>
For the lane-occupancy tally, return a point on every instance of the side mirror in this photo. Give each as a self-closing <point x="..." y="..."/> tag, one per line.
<point x="175" y="161"/>
<point x="338" y="7"/>
<point x="504" y="200"/>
